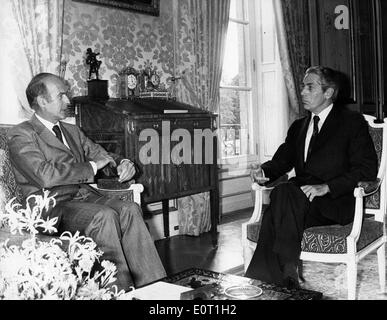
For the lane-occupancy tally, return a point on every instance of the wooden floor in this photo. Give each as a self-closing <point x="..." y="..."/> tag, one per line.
<point x="179" y="253"/>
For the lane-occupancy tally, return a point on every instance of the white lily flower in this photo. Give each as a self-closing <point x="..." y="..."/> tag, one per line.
<point x="42" y="270"/>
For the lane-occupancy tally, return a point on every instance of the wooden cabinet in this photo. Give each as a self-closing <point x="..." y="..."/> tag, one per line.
<point x="166" y="141"/>
<point x="356" y="51"/>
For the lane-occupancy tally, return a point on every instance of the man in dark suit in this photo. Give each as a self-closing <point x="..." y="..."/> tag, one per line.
<point x="50" y="154"/>
<point x="331" y="151"/>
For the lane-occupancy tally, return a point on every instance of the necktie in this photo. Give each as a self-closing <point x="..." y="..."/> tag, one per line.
<point x="57" y="132"/>
<point x="316" y="119"/>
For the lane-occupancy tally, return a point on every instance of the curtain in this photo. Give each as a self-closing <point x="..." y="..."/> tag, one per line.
<point x="200" y="34"/>
<point x="40" y="24"/>
<point x="202" y="27"/>
<point x="15" y="72"/>
<point x="292" y="24"/>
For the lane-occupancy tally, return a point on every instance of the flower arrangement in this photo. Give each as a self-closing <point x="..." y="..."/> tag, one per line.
<point x="43" y="270"/>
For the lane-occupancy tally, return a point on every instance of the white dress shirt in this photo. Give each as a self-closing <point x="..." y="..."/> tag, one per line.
<point x="323" y="116"/>
<point x="49" y="125"/>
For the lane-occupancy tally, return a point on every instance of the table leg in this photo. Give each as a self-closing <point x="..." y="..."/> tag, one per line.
<point x="214" y="204"/>
<point x="165" y="204"/>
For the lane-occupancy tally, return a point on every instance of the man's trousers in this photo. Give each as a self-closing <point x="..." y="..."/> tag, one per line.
<point x="283" y="223"/>
<point x="120" y="233"/>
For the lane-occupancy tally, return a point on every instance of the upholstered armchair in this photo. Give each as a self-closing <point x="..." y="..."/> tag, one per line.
<point x="10" y="189"/>
<point x="340" y="244"/>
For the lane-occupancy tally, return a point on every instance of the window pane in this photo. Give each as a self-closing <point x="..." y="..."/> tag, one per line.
<point x="235" y="62"/>
<point x="237" y="9"/>
<point x="234" y="115"/>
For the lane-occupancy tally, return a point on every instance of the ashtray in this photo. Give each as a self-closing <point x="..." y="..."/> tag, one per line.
<point x="245" y="291"/>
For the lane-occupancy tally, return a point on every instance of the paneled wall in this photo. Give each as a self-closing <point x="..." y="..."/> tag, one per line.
<point x="355" y="50"/>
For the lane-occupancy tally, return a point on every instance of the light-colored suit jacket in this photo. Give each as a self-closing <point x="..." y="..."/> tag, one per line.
<point x="40" y="160"/>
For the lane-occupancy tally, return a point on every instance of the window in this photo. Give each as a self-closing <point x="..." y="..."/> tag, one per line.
<point x="236" y="89"/>
<point x="253" y="116"/>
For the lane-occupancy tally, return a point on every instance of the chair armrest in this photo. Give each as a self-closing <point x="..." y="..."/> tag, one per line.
<point x="282" y="179"/>
<point x="369" y="187"/>
<point x="259" y="196"/>
<point x="365" y="188"/>
<point x="135" y="188"/>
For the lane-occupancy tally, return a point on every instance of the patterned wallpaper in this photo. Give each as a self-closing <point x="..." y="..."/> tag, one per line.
<point x="123" y="38"/>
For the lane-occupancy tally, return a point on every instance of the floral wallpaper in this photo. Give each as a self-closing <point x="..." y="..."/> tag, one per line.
<point x="123" y="38"/>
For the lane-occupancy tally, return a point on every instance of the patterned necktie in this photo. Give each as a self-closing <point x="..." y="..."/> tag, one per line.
<point x="57" y="132"/>
<point x="316" y="119"/>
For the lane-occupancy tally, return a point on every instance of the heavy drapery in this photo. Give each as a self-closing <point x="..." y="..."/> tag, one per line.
<point x="40" y="26"/>
<point x="200" y="34"/>
<point x="294" y="45"/>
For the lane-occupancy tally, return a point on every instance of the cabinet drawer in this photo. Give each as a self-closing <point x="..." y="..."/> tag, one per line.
<point x="136" y="127"/>
<point x="191" y="124"/>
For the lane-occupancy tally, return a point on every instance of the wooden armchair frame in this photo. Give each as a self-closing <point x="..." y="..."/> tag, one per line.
<point x="351" y="256"/>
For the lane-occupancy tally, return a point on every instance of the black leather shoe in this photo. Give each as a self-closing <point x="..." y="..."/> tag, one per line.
<point x="291" y="283"/>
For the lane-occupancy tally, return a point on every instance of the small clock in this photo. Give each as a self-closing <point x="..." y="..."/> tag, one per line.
<point x="155" y="80"/>
<point x="129" y="83"/>
<point x="132" y="81"/>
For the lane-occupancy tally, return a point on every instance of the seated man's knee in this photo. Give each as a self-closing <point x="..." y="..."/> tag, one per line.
<point x="106" y="214"/>
<point x="131" y="209"/>
<point x="284" y="187"/>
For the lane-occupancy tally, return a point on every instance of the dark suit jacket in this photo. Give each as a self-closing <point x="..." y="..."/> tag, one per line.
<point x="40" y="160"/>
<point x="343" y="155"/>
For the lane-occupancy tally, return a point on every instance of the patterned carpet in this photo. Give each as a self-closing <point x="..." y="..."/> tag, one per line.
<point x="331" y="279"/>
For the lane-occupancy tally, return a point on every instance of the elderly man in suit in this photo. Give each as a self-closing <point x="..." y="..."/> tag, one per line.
<point x="331" y="151"/>
<point x="50" y="154"/>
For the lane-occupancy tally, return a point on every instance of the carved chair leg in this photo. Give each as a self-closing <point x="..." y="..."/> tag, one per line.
<point x="300" y="268"/>
<point x="351" y="279"/>
<point x="382" y="267"/>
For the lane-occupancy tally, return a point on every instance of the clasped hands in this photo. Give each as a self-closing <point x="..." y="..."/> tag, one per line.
<point x="126" y="169"/>
<point x="311" y="191"/>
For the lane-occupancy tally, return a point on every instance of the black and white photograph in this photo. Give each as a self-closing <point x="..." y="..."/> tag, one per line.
<point x="222" y="153"/>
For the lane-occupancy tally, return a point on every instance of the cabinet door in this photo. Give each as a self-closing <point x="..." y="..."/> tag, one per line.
<point x="159" y="180"/>
<point x="196" y="174"/>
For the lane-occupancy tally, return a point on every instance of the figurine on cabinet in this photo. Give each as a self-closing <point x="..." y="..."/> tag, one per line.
<point x="91" y="59"/>
<point x="96" y="88"/>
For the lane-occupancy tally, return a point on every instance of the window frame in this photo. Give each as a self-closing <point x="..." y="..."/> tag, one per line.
<point x="250" y="46"/>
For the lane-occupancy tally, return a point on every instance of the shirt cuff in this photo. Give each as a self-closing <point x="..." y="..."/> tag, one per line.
<point x="94" y="166"/>
<point x="126" y="160"/>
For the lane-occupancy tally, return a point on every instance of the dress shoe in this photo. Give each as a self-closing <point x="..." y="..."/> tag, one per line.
<point x="291" y="283"/>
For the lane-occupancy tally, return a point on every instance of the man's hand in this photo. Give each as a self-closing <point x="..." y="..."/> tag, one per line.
<point x="315" y="191"/>
<point x="126" y="170"/>
<point x="103" y="161"/>
<point x="257" y="175"/>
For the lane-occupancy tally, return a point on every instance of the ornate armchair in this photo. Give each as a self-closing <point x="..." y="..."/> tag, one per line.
<point x="340" y="244"/>
<point x="9" y="189"/>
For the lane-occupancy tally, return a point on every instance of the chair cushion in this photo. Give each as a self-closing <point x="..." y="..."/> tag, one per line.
<point x="332" y="239"/>
<point x="329" y="239"/>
